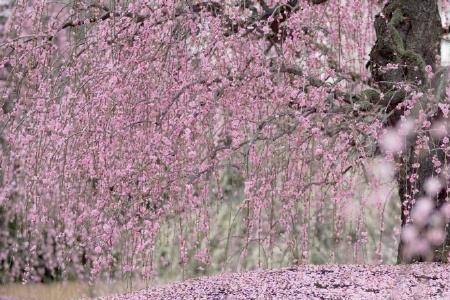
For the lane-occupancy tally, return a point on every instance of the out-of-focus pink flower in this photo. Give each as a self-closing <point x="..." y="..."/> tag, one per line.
<point x="422" y="211"/>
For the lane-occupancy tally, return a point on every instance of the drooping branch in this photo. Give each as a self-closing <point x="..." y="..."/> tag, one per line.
<point x="280" y="13"/>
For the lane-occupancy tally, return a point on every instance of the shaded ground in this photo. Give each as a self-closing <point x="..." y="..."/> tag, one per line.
<point x="70" y="290"/>
<point x="422" y="281"/>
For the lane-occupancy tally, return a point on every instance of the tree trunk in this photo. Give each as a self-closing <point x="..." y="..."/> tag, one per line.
<point x="409" y="34"/>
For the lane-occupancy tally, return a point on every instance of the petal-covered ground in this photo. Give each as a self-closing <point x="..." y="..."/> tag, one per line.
<point x="420" y="281"/>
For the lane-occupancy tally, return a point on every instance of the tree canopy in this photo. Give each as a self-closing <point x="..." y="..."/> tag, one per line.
<point x="120" y="115"/>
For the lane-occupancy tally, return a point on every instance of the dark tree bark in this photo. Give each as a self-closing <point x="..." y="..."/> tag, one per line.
<point x="409" y="34"/>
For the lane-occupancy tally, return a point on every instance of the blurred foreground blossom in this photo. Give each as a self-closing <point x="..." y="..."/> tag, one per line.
<point x="422" y="211"/>
<point x="383" y="170"/>
<point x="392" y="142"/>
<point x="433" y="186"/>
<point x="409" y="234"/>
<point x="406" y="127"/>
<point x="439" y="129"/>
